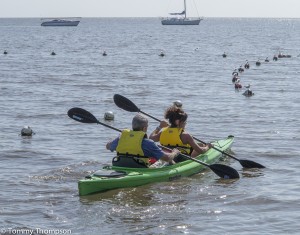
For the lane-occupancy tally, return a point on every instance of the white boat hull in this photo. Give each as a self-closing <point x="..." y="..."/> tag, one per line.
<point x="60" y="23"/>
<point x="176" y="21"/>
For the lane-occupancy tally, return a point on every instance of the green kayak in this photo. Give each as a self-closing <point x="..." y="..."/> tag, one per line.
<point x="113" y="177"/>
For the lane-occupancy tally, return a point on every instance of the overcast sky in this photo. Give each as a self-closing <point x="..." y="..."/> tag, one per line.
<point x="149" y="8"/>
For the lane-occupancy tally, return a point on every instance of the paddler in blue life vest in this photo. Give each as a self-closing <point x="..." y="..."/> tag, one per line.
<point x="173" y="135"/>
<point x="134" y="149"/>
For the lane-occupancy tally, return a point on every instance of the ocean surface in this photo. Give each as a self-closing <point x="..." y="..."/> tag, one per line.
<point x="39" y="175"/>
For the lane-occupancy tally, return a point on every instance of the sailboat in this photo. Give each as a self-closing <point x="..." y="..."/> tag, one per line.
<point x="181" y="19"/>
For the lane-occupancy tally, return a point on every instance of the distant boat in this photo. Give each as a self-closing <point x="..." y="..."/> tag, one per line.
<point x="181" y="19"/>
<point x="60" y="22"/>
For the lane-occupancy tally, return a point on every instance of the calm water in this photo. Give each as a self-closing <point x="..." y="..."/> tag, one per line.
<point x="39" y="174"/>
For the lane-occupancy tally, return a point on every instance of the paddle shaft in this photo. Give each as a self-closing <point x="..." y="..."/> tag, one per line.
<point x="187" y="156"/>
<point x="156" y="119"/>
<point x="217" y="149"/>
<point x="193" y="137"/>
<point x="111" y="127"/>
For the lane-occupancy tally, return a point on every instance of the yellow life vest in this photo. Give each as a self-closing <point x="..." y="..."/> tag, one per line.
<point x="171" y="137"/>
<point x="130" y="144"/>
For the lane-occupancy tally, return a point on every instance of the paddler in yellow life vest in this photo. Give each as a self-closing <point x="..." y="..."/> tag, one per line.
<point x="174" y="134"/>
<point x="134" y="149"/>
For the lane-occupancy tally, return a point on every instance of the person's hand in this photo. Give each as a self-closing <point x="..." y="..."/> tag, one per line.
<point x="210" y="145"/>
<point x="175" y="151"/>
<point x="163" y="124"/>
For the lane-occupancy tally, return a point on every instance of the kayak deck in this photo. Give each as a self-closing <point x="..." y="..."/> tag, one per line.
<point x="112" y="177"/>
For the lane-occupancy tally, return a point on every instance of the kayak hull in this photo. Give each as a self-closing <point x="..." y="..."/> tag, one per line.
<point x="112" y="177"/>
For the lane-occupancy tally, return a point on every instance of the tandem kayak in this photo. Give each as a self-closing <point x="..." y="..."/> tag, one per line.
<point x="113" y="177"/>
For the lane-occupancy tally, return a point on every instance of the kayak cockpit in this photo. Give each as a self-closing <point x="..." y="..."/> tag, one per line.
<point x="107" y="172"/>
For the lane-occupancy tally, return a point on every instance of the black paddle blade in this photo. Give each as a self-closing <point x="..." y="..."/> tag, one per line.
<point x="124" y="103"/>
<point x="250" y="164"/>
<point x="225" y="171"/>
<point x="81" y="115"/>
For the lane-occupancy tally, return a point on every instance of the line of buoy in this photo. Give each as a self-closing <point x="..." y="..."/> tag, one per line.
<point x="235" y="74"/>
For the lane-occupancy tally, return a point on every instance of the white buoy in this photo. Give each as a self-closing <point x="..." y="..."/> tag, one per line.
<point x="178" y="103"/>
<point x="26" y="131"/>
<point x="109" y="115"/>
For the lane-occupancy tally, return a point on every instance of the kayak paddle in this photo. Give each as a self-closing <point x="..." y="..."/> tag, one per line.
<point x="81" y="115"/>
<point x="243" y="162"/>
<point x="223" y="171"/>
<point x="126" y="104"/>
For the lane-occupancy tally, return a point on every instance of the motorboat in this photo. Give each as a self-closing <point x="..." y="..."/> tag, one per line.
<point x="60" y="22"/>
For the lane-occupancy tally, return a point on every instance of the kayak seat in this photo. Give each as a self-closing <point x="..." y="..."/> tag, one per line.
<point x="180" y="158"/>
<point x="128" y="161"/>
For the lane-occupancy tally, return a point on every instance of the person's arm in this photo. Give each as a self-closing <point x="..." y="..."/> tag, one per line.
<point x="112" y="144"/>
<point x="150" y="149"/>
<point x="169" y="157"/>
<point x="188" y="139"/>
<point x="155" y="135"/>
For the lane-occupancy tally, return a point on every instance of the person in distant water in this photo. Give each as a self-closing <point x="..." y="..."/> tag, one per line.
<point x="235" y="78"/>
<point x="134" y="149"/>
<point x="241" y="70"/>
<point x="247" y="65"/>
<point x="174" y="134"/>
<point x="235" y="73"/>
<point x="237" y="84"/>
<point x="248" y="92"/>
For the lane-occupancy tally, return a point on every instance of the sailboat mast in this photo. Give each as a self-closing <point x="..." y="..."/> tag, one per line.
<point x="184" y="9"/>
